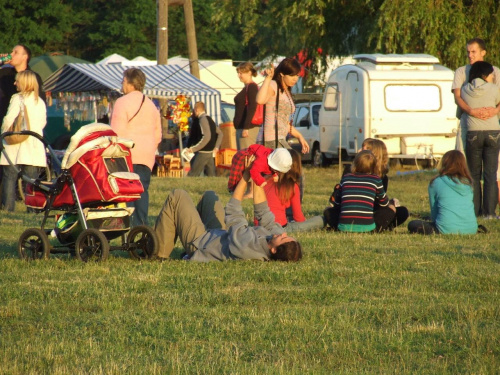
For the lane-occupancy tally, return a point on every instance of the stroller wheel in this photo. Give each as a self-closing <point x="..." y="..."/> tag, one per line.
<point x="142" y="242"/>
<point x="91" y="244"/>
<point x="33" y="244"/>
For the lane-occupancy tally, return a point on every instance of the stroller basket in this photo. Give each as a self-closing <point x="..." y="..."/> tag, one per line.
<point x="112" y="222"/>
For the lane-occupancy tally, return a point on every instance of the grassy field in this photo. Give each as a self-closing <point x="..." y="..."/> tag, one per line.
<point x="357" y="303"/>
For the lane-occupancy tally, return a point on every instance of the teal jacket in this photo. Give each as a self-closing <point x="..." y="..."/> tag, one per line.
<point x="452" y="208"/>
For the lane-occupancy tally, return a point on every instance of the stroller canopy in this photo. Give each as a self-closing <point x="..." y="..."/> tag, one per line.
<point x="163" y="81"/>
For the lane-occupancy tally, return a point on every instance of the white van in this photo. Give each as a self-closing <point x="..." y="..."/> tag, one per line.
<point x="404" y="100"/>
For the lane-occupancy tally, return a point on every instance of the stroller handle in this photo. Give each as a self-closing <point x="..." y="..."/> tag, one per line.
<point x="53" y="155"/>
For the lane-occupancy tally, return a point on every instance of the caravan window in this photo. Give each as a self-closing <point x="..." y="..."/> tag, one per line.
<point x="331" y="97"/>
<point x="412" y="98"/>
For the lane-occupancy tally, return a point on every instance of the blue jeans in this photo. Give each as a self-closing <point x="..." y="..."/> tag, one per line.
<point x="482" y="156"/>
<point x="140" y="215"/>
<point x="315" y="222"/>
<point x="9" y="183"/>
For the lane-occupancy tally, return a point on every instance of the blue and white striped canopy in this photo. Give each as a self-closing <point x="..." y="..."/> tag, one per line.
<point x="162" y="81"/>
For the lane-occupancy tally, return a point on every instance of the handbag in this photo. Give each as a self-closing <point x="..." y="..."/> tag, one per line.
<point x="258" y="116"/>
<point x="17" y="126"/>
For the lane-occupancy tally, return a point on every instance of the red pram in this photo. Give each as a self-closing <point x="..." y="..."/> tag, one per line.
<point x="95" y="182"/>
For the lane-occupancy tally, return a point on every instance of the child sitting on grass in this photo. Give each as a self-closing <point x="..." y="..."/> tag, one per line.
<point x="267" y="161"/>
<point x="450" y="198"/>
<point x="356" y="197"/>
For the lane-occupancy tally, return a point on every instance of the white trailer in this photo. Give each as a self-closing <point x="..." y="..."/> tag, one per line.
<point x="404" y="100"/>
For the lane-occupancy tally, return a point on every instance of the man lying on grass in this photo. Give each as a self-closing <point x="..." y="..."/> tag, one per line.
<point x="207" y="235"/>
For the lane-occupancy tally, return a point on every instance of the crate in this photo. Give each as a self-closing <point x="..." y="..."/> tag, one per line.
<point x="228" y="136"/>
<point x="225" y="156"/>
<point x="176" y="173"/>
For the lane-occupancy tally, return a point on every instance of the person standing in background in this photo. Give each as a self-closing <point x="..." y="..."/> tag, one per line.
<point x="136" y="117"/>
<point x="245" y="106"/>
<point x="476" y="51"/>
<point x="207" y="138"/>
<point x="29" y="155"/>
<point x="275" y="94"/>
<point x="19" y="62"/>
<point x="483" y="137"/>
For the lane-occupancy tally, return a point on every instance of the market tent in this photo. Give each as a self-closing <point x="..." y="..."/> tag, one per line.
<point x="163" y="81"/>
<point x="45" y="65"/>
<point x="218" y="74"/>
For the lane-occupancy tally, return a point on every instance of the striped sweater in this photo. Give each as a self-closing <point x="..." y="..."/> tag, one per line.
<point x="359" y="193"/>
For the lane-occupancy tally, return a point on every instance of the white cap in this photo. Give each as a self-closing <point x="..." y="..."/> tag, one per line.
<point x="280" y="160"/>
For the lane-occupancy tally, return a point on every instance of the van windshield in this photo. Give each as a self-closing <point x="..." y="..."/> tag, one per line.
<point x="412" y="98"/>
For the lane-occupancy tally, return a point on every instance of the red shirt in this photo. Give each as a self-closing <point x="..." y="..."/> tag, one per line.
<point x="278" y="208"/>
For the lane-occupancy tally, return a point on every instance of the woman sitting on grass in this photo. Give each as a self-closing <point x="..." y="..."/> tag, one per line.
<point x="285" y="196"/>
<point x="356" y="197"/>
<point x="450" y="198"/>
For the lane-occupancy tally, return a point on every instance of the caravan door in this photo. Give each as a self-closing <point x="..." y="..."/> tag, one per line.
<point x="353" y="110"/>
<point x="329" y="119"/>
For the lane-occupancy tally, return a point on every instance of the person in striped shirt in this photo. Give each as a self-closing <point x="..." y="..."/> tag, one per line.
<point x="359" y="191"/>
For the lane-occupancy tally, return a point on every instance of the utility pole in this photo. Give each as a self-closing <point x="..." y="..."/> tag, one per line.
<point x="162" y="59"/>
<point x="190" y="35"/>
<point x="191" y="38"/>
<point x="162" y="32"/>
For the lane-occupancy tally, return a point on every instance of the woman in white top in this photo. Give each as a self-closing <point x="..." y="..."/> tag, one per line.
<point x="28" y="155"/>
<point x="279" y="81"/>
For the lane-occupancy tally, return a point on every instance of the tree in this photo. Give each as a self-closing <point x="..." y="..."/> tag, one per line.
<point x="437" y="27"/>
<point x="42" y="26"/>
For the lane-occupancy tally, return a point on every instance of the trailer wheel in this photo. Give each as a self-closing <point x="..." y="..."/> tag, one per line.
<point x="319" y="159"/>
<point x="33" y="244"/>
<point x="143" y="242"/>
<point x="91" y="244"/>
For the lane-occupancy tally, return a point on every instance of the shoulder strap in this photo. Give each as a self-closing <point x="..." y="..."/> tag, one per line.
<point x="143" y="97"/>
<point x="276" y="118"/>
<point x="24" y="112"/>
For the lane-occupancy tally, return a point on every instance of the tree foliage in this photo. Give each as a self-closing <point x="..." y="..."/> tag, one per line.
<point x="252" y="29"/>
<point x="437" y="27"/>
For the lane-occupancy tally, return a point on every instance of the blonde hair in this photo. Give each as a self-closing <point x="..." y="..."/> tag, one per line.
<point x="27" y="83"/>
<point x="379" y="150"/>
<point x="246" y="67"/>
<point x="364" y="162"/>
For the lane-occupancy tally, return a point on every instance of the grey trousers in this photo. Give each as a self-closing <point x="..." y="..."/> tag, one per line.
<point x="247" y="141"/>
<point x="179" y="218"/>
<point x="202" y="162"/>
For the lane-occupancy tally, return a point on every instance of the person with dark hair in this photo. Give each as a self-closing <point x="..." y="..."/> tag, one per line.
<point x="245" y="107"/>
<point x="204" y="141"/>
<point x="209" y="235"/>
<point x="136" y="117"/>
<point x="450" y="198"/>
<point x="476" y="51"/>
<point x="279" y="106"/>
<point x="483" y="137"/>
<point x="20" y="58"/>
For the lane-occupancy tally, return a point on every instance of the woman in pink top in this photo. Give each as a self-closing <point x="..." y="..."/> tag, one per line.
<point x="136" y="117"/>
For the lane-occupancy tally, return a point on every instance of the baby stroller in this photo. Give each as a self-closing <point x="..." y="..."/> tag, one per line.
<point x="87" y="200"/>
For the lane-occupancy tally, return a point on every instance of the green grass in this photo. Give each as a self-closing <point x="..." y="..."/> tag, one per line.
<point x="357" y="303"/>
